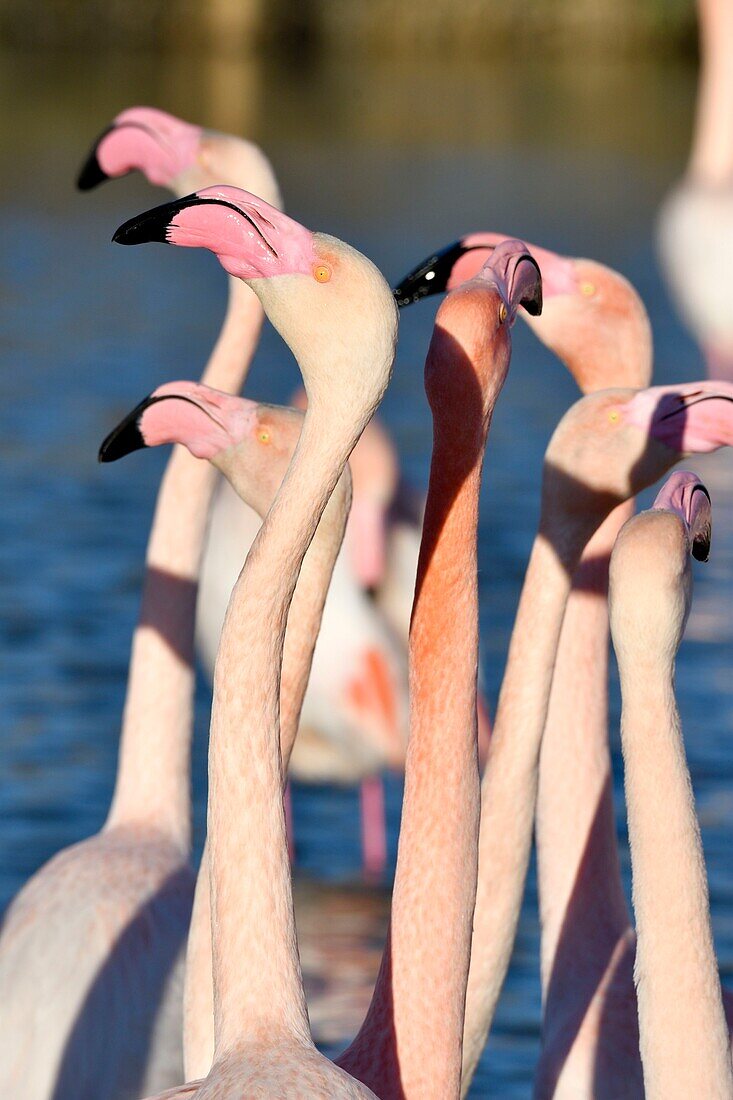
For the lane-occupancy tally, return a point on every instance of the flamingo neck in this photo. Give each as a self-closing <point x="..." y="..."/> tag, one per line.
<point x="435" y="882"/>
<point x="579" y="877"/>
<point x="684" y="1040"/>
<point x="153" y="777"/>
<point x="258" y="989"/>
<point x="509" y="785"/>
<point x="711" y="160"/>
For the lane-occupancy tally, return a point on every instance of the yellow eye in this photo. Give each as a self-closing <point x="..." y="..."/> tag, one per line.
<point x="502" y="313"/>
<point x="588" y="289"/>
<point x="322" y="273"/>
<point x="264" y="437"/>
<point x="613" y="415"/>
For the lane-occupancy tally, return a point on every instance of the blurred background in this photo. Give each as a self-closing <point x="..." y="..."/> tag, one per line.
<point x="398" y="126"/>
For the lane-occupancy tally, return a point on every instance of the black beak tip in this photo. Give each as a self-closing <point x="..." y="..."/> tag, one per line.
<point x="533" y="305"/>
<point x="150" y="226"/>
<point x="126" y="437"/>
<point x="701" y="547"/>
<point x="140" y="230"/>
<point x="407" y="293"/>
<point x="91" y="174"/>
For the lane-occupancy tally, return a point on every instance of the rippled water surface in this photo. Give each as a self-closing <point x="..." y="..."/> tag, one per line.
<point x="397" y="160"/>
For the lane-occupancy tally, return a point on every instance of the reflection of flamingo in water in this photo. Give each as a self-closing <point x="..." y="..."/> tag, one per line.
<point x="355" y="712"/>
<point x="683" y="1035"/>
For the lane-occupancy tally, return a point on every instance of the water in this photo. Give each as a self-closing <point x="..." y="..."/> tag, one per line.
<point x="397" y="159"/>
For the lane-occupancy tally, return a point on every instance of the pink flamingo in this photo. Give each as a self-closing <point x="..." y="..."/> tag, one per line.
<point x="410" y="1042"/>
<point x="266" y="439"/>
<point x="684" y="1040"/>
<point x="336" y="313"/>
<point x="355" y="710"/>
<point x="97" y="935"/>
<point x="596" y="323"/>
<point x="274" y="1005"/>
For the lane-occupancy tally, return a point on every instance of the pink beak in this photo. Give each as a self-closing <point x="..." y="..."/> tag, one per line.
<point x="157" y="144"/>
<point x="204" y="420"/>
<point x="684" y="494"/>
<point x="251" y="239"/>
<point x="691" y="419"/>
<point x="515" y="273"/>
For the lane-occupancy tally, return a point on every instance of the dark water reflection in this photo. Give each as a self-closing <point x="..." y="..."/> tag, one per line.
<point x="397" y="159"/>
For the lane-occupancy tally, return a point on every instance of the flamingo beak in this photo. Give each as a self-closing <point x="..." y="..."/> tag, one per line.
<point x="526" y="285"/>
<point x="92" y="174"/>
<point x="153" y="224"/>
<point x="126" y="437"/>
<point x="431" y="276"/>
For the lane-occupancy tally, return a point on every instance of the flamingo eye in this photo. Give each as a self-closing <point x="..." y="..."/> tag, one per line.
<point x="613" y="415"/>
<point x="588" y="289"/>
<point x="264" y="436"/>
<point x="322" y="273"/>
<point x="502" y="313"/>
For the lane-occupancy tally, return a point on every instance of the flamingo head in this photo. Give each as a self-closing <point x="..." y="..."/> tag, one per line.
<point x="612" y="444"/>
<point x="251" y="443"/>
<point x="471" y="343"/>
<point x="650" y="577"/>
<point x="175" y="154"/>
<point x="142" y="139"/>
<point x="329" y="303"/>
<point x="592" y="319"/>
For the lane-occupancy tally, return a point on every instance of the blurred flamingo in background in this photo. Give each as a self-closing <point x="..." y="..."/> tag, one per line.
<point x="336" y="313"/>
<point x="683" y="1035"/>
<point x="695" y="224"/>
<point x="355" y="711"/>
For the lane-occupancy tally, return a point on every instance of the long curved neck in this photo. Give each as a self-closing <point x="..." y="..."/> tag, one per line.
<point x="583" y="910"/>
<point x="258" y="988"/>
<point x="153" y="775"/>
<point x="421" y="987"/>
<point x="684" y="1042"/>
<point x="509" y="787"/>
<point x="711" y="160"/>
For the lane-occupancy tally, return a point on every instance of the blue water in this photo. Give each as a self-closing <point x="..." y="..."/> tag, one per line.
<point x="86" y="329"/>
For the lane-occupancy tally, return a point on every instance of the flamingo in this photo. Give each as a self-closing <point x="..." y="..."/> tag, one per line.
<point x="695" y="222"/>
<point x="335" y="311"/>
<point x="355" y="711"/>
<point x="410" y="1042"/>
<point x="412" y="988"/>
<point x="684" y="1040"/>
<point x="112" y="913"/>
<point x="607" y="447"/>
<point x="597" y="325"/>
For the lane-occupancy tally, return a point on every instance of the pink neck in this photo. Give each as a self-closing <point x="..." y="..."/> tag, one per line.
<point x="509" y="787"/>
<point x="684" y="1042"/>
<point x="582" y="905"/>
<point x="257" y="981"/>
<point x="711" y="160"/>
<point x="153" y="777"/>
<point x="410" y="1043"/>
